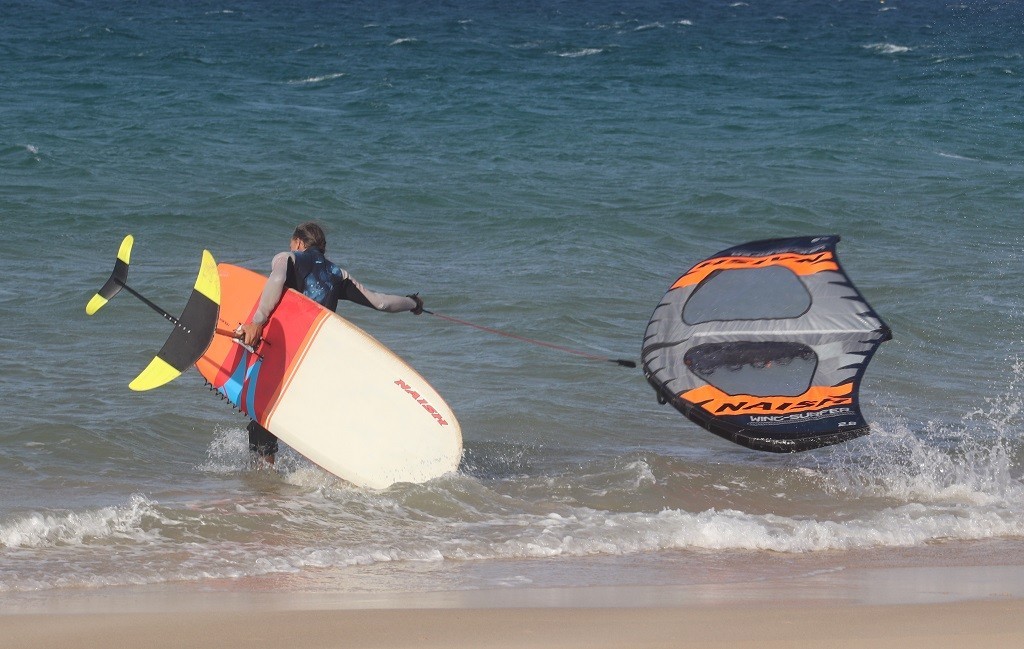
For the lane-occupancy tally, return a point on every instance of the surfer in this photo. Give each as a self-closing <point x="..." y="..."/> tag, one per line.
<point x="305" y="268"/>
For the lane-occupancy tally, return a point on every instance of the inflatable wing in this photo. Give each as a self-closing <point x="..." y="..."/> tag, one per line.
<point x="765" y="344"/>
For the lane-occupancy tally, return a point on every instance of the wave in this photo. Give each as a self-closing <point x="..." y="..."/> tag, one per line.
<point x="955" y="156"/>
<point x="19" y="151"/>
<point x="895" y="489"/>
<point x="574" y="54"/>
<point x="302" y="519"/>
<point x="50" y="530"/>
<point x="318" y="79"/>
<point x="887" y="48"/>
<point x="148" y="557"/>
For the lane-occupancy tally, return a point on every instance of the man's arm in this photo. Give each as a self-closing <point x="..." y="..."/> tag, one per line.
<point x="353" y="291"/>
<point x="272" y="292"/>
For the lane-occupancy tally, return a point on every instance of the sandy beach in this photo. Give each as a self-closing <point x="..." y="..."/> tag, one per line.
<point x="988" y="624"/>
<point x="926" y="608"/>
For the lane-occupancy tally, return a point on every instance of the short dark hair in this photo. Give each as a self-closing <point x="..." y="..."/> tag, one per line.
<point x="312" y="235"/>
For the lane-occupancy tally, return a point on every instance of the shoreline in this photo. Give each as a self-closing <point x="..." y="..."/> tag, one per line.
<point x="906" y="607"/>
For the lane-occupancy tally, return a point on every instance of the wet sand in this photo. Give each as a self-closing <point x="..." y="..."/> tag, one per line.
<point x="989" y="624"/>
<point x="905" y="608"/>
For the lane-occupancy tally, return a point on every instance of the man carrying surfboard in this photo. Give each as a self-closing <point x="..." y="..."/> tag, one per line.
<point x="305" y="268"/>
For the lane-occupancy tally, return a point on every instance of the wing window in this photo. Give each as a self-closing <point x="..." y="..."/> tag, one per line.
<point x="769" y="293"/>
<point x="760" y="369"/>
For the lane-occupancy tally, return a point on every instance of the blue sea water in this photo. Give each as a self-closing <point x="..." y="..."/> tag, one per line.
<point x="548" y="169"/>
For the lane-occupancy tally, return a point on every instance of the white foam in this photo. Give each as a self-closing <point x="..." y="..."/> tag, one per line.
<point x="897" y="464"/>
<point x="955" y="156"/>
<point x="967" y="464"/>
<point x="919" y="487"/>
<point x="49" y="530"/>
<point x="587" y="532"/>
<point x="310" y="477"/>
<point x="319" y="79"/>
<point x="228" y="451"/>
<point x="573" y="54"/>
<point x="887" y="48"/>
<point x="383" y="531"/>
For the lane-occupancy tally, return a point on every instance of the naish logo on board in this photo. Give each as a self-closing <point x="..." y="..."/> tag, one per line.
<point x="423" y="402"/>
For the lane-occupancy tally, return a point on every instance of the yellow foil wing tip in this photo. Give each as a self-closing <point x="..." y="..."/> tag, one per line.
<point x="95" y="304"/>
<point x="158" y="372"/>
<point x="208" y="281"/>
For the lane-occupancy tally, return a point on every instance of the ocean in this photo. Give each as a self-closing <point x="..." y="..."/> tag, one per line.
<point x="548" y="169"/>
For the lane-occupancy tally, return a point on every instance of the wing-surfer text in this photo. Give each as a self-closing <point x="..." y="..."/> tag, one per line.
<point x="767" y="420"/>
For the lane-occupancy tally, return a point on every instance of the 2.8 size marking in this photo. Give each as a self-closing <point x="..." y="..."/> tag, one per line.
<point x="423" y="402"/>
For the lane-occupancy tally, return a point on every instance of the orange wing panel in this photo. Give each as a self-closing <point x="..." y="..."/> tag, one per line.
<point x="717" y="402"/>
<point x="798" y="263"/>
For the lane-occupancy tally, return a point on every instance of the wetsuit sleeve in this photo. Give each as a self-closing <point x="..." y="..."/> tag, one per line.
<point x="353" y="291"/>
<point x="274" y="288"/>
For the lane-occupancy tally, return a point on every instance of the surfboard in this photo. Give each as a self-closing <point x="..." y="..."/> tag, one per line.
<point x="329" y="390"/>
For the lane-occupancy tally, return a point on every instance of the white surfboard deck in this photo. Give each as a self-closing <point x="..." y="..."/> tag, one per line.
<point x="330" y="390"/>
<point x="359" y="411"/>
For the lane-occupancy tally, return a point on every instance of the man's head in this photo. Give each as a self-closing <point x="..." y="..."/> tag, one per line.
<point x="309" y="235"/>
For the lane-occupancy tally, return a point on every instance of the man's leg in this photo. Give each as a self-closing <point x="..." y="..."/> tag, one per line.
<point x="262" y="442"/>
